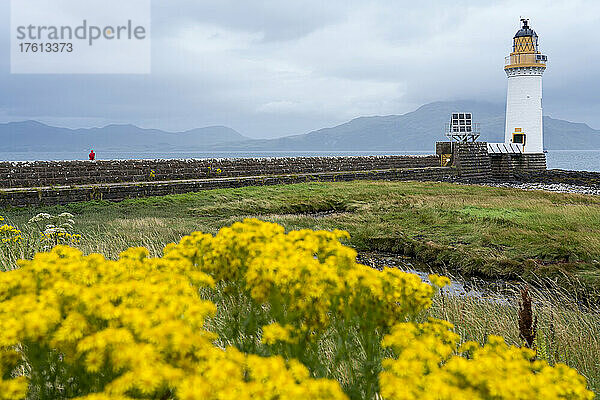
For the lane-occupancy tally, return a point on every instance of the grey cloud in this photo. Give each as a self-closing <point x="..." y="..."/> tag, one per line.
<point x="271" y="68"/>
<point x="277" y="20"/>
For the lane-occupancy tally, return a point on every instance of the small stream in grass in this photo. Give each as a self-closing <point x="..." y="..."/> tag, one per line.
<point x="498" y="291"/>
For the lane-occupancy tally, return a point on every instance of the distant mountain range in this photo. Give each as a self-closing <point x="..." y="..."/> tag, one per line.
<point x="35" y="136"/>
<point x="414" y="131"/>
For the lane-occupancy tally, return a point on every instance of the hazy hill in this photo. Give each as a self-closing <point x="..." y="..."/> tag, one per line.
<point x="420" y="129"/>
<point x="35" y="136"/>
<point x="417" y="130"/>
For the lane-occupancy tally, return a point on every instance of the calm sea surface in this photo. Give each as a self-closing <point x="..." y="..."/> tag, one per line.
<point x="580" y="160"/>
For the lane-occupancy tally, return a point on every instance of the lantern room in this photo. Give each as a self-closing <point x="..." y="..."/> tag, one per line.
<point x="525" y="51"/>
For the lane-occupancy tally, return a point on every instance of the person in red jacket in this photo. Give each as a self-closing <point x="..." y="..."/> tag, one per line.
<point x="92" y="155"/>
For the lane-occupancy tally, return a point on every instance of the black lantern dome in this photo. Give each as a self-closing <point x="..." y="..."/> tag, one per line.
<point x="526" y="30"/>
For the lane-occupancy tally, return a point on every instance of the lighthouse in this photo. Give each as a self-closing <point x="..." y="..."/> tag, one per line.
<point x="522" y="150"/>
<point x="524" y="68"/>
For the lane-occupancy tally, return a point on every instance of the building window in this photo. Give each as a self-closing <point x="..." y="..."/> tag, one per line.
<point x="519" y="138"/>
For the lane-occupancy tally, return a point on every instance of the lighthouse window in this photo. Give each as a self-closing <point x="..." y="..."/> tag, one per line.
<point x="519" y="138"/>
<point x="462" y="116"/>
<point x="454" y="116"/>
<point x="468" y="116"/>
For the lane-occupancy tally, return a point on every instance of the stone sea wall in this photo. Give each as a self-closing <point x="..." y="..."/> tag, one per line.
<point x="21" y="197"/>
<point x="66" y="173"/>
<point x="510" y="166"/>
<point x="472" y="161"/>
<point x="61" y="182"/>
<point x="559" y="176"/>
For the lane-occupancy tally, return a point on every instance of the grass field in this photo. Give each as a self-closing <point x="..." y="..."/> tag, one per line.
<point x="495" y="232"/>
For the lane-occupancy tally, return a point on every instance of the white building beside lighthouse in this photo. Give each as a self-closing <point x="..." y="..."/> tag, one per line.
<point x="524" y="68"/>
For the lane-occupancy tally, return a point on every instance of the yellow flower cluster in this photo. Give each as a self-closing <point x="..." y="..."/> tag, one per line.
<point x="137" y="327"/>
<point x="312" y="276"/>
<point x="9" y="234"/>
<point x="274" y="333"/>
<point x="308" y="274"/>
<point x="428" y="366"/>
<point x="60" y="237"/>
<point x="10" y="388"/>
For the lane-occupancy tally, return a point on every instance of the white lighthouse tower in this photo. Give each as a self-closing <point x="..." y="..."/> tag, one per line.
<point x="524" y="68"/>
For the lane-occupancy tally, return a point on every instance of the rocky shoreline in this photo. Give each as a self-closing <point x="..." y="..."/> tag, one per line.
<point x="554" y="180"/>
<point x="550" y="187"/>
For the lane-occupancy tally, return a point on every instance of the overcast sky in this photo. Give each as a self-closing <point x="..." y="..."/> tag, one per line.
<point x="274" y="68"/>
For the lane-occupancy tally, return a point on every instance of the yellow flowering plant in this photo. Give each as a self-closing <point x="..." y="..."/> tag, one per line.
<point x="304" y="288"/>
<point x="250" y="313"/>
<point x="311" y="285"/>
<point x="429" y="364"/>
<point x="55" y="229"/>
<point x="131" y="328"/>
<point x="9" y="234"/>
<point x="11" y="239"/>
